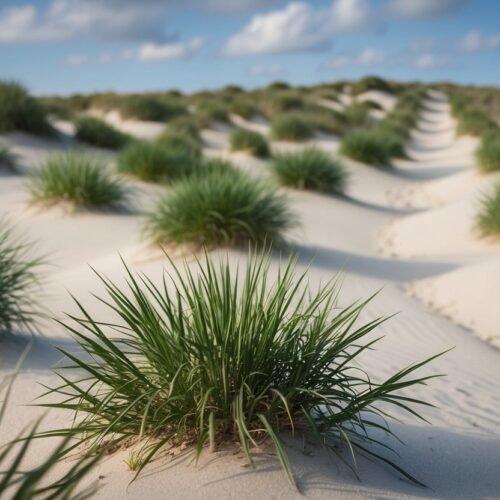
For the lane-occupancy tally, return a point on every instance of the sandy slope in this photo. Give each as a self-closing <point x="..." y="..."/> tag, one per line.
<point x="457" y="456"/>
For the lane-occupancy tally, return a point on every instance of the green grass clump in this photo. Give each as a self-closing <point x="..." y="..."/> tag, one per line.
<point x="18" y="280"/>
<point x="371" y="83"/>
<point x="279" y="103"/>
<point x="358" y="115"/>
<point x="474" y="122"/>
<point x="489" y="216"/>
<point x="217" y="355"/>
<point x="98" y="133"/>
<point x="78" y="179"/>
<point x="249" y="141"/>
<point x="20" y="111"/>
<point x="180" y="140"/>
<point x="187" y="125"/>
<point x="151" y="108"/>
<point x="488" y="153"/>
<point x="367" y="147"/>
<point x="291" y="127"/>
<point x="310" y="169"/>
<point x="326" y="120"/>
<point x="220" y="208"/>
<point x="211" y="111"/>
<point x="8" y="159"/>
<point x="244" y="107"/>
<point x="157" y="162"/>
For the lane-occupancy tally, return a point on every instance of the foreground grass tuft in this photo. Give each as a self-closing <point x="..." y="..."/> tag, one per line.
<point x="489" y="215"/>
<point x="310" y="169"/>
<point x="250" y="142"/>
<point x="488" y="153"/>
<point x="216" y="355"/>
<point x="98" y="133"/>
<point x="221" y="207"/>
<point x="78" y="179"/>
<point x="291" y="127"/>
<point x="158" y="162"/>
<point x="18" y="279"/>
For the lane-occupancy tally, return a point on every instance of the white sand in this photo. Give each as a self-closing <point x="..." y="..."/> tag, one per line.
<point x="457" y="456"/>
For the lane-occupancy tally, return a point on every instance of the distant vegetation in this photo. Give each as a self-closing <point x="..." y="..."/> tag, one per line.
<point x="151" y="108"/>
<point x="78" y="179"/>
<point x="310" y="169"/>
<point x="291" y="127"/>
<point x="250" y="142"/>
<point x="220" y="208"/>
<point x="371" y="83"/>
<point x="489" y="215"/>
<point x="20" y="111"/>
<point x="97" y="132"/>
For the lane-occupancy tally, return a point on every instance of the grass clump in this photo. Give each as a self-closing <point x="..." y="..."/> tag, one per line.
<point x="187" y="125"/>
<point x="291" y="127"/>
<point x="489" y="215"/>
<point x="310" y="169"/>
<point x="81" y="180"/>
<point x="18" y="279"/>
<point x="367" y="147"/>
<point x="358" y="115"/>
<point x="157" y="162"/>
<point x="249" y="141"/>
<point x="211" y="111"/>
<point x="488" y="153"/>
<point x="151" y="108"/>
<point x="220" y="208"/>
<point x="98" y="133"/>
<point x="244" y="107"/>
<point x="371" y="83"/>
<point x="216" y="354"/>
<point x="20" y="111"/>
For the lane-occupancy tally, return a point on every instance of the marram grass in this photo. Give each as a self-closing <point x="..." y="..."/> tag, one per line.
<point x="214" y="354"/>
<point x="310" y="169"/>
<point x="220" y="206"/>
<point x="19" y="279"/>
<point x="249" y="141"/>
<point x="98" y="133"/>
<point x="488" y="153"/>
<point x="489" y="216"/>
<point x="78" y="179"/>
<point x="291" y="126"/>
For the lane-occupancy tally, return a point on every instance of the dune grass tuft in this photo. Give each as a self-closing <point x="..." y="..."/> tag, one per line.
<point x="98" y="133"/>
<point x="18" y="280"/>
<point x="310" y="169"/>
<point x="489" y="215"/>
<point x="216" y="355"/>
<point x="20" y="111"/>
<point x="250" y="142"/>
<point x="221" y="207"/>
<point x="158" y="162"/>
<point x="488" y="153"/>
<point x="367" y="147"/>
<point x="371" y="83"/>
<point x="185" y="125"/>
<point x="151" y="108"/>
<point x="291" y="127"/>
<point x="78" y="179"/>
<point x="474" y="122"/>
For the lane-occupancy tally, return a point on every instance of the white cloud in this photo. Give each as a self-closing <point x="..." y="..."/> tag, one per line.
<point x="76" y="60"/>
<point x="367" y="57"/>
<point x="424" y="8"/>
<point x="298" y="27"/>
<point x="430" y="61"/>
<point x="268" y="70"/>
<point x="168" y="51"/>
<point x="474" y="41"/>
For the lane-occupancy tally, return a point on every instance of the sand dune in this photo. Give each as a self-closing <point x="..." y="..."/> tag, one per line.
<point x="457" y="456"/>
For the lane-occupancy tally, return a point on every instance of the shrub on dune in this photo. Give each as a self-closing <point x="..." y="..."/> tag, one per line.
<point x="157" y="162"/>
<point x="366" y="147"/>
<point x="474" y="122"/>
<point x="78" y="179"/>
<point x="489" y="215"/>
<point x="250" y="142"/>
<point x="220" y="208"/>
<point x="218" y="355"/>
<point x="20" y="111"/>
<point x="310" y="169"/>
<point x="177" y="139"/>
<point x="371" y="83"/>
<point x="291" y="127"/>
<point x="18" y="280"/>
<point x="210" y="112"/>
<point x="243" y="107"/>
<point x="151" y="108"/>
<point x="326" y="120"/>
<point x="98" y="133"/>
<point x="275" y="104"/>
<point x="185" y="124"/>
<point x="358" y="114"/>
<point x="488" y="152"/>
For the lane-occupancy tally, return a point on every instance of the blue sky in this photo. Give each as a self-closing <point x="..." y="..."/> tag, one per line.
<point x="65" y="46"/>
